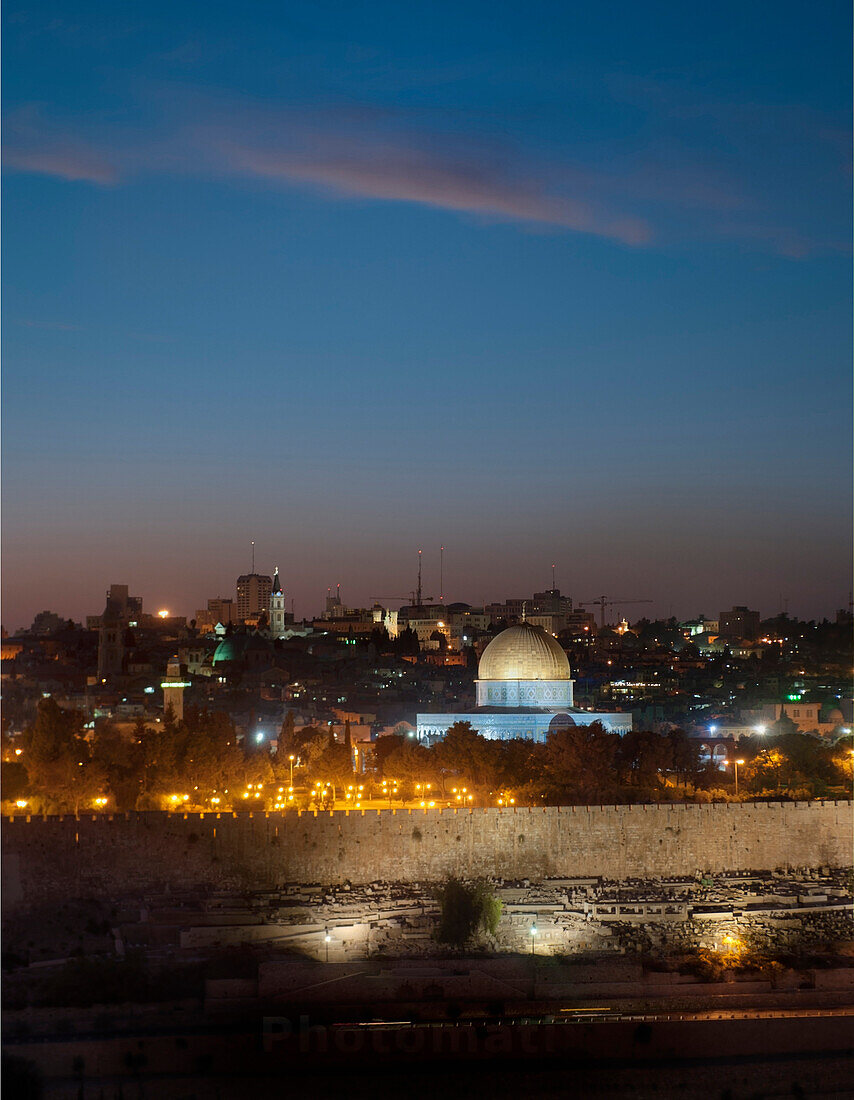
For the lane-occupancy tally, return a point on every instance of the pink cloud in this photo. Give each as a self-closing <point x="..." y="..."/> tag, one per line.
<point x="35" y="144"/>
<point x="358" y="151"/>
<point x="66" y="163"/>
<point x="414" y="175"/>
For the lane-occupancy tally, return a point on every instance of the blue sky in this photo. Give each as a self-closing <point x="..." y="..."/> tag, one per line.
<point x="541" y="282"/>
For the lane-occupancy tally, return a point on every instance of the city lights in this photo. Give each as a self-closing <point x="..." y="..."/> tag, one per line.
<point x="505" y="304"/>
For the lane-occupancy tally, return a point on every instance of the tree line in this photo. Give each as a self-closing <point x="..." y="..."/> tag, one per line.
<point x="201" y="762"/>
<point x="589" y="764"/>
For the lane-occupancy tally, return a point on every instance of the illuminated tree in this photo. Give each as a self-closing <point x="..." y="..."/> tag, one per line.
<point x="409" y="764"/>
<point x="121" y="759"/>
<point x="58" y="761"/>
<point x="458" y="752"/>
<point x="763" y="771"/>
<point x="467" y="909"/>
<point x="329" y="762"/>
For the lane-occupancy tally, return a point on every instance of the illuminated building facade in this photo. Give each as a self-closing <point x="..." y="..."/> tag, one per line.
<point x="524" y="690"/>
<point x="253" y="595"/>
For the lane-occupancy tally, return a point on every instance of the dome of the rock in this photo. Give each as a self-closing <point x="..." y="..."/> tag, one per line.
<point x="524" y="652"/>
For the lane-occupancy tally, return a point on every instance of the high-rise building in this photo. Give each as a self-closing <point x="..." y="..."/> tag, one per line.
<point x="253" y="595"/>
<point x="549" y="609"/>
<point x="739" y="623"/>
<point x="219" y="610"/>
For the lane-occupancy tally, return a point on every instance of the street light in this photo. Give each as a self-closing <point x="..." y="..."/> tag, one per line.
<point x="735" y="763"/>
<point x="291" y="759"/>
<point x="533" y="931"/>
<point x="327" y="938"/>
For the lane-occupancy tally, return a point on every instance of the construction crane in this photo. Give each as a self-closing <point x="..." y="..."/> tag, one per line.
<point x="415" y="598"/>
<point x="604" y="602"/>
<point x="410" y="599"/>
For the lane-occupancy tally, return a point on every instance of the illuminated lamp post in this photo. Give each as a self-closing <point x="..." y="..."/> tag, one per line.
<point x="291" y="759"/>
<point x="735" y="763"/>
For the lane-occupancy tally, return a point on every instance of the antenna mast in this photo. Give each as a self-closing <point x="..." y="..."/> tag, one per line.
<point x="553" y="576"/>
<point x="253" y="555"/>
<point x="418" y="592"/>
<point x="441" y="574"/>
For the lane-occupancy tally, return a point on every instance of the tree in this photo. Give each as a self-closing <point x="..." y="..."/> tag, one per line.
<point x="122" y="761"/>
<point x="406" y="643"/>
<point x="642" y="757"/>
<point x="57" y="758"/>
<point x="466" y="909"/>
<point x="409" y="764"/>
<point x="329" y="762"/>
<point x="580" y="764"/>
<point x="684" y="756"/>
<point x="287" y="735"/>
<point x="14" y="781"/>
<point x="380" y="639"/>
<point x="763" y="771"/>
<point x="458" y="752"/>
<point x="384" y="747"/>
<point x="198" y="756"/>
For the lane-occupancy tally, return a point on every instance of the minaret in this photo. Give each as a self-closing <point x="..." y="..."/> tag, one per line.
<point x="277" y="617"/>
<point x="173" y="689"/>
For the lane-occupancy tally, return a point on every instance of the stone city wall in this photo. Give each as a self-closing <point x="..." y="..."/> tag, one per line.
<point x="120" y="855"/>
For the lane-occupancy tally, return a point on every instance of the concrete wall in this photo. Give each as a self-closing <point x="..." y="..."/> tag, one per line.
<point x="46" y="859"/>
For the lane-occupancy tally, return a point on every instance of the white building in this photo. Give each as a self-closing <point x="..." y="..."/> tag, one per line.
<point x="277" y="615"/>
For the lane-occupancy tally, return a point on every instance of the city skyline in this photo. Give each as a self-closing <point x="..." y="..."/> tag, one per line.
<point x="363" y="365"/>
<point x="632" y="605"/>
<point x="558" y="286"/>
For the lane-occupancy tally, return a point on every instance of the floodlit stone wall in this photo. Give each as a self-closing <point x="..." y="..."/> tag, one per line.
<point x="119" y="855"/>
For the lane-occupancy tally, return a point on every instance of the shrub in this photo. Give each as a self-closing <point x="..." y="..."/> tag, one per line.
<point x="466" y="909"/>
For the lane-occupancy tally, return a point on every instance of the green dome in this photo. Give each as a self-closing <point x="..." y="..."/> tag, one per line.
<point x="239" y="646"/>
<point x="229" y="649"/>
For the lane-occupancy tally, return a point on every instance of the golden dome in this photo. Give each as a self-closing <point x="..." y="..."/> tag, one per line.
<point x="523" y="652"/>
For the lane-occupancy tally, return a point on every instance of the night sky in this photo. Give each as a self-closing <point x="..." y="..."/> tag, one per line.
<point x="543" y="282"/>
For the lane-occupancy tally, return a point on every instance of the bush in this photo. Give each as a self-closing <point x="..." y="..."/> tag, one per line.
<point x="467" y="909"/>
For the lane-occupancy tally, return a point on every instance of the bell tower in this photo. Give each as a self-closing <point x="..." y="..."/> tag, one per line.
<point x="277" y="617"/>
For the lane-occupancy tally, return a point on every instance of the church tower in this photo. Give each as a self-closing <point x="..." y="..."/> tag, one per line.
<point x="277" y="617"/>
